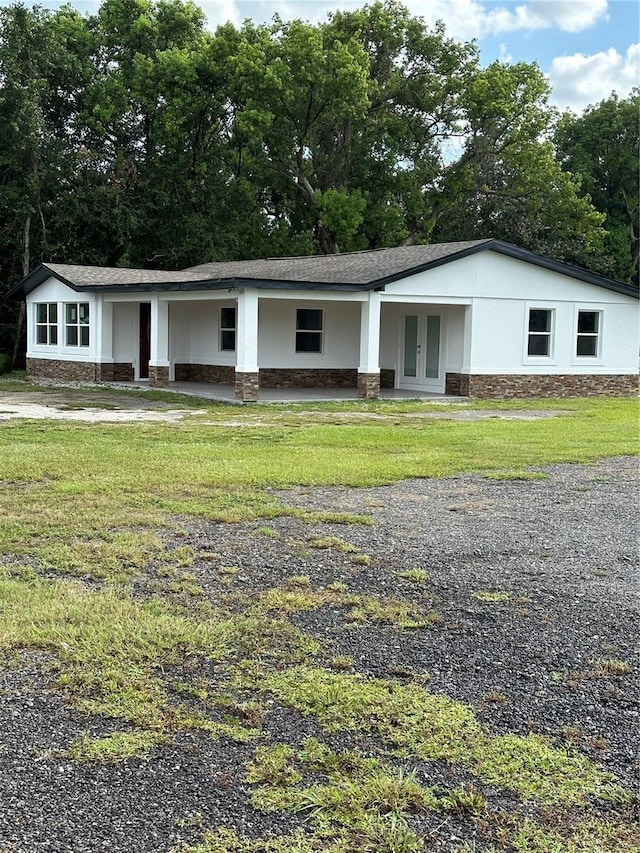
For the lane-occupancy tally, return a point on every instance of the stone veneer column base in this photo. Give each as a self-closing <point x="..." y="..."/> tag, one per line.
<point x="158" y="377"/>
<point x="542" y="385"/>
<point x="247" y="386"/>
<point x="369" y="386"/>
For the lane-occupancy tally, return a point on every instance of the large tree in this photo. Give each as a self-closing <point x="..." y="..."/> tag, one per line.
<point x="507" y="183"/>
<point x="602" y="147"/>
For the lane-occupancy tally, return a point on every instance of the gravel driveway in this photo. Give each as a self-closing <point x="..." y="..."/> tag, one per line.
<point x="536" y="584"/>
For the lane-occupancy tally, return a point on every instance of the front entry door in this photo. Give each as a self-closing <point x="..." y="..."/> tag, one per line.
<point x="145" y="339"/>
<point x="421" y="356"/>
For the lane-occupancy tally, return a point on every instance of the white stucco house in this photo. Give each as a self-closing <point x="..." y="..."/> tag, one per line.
<point x="479" y="318"/>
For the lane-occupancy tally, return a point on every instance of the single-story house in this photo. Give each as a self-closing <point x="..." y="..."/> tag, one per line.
<point x="479" y="318"/>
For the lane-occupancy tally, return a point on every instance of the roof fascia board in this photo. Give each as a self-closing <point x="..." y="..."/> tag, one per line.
<point x="218" y="284"/>
<point x="35" y="278"/>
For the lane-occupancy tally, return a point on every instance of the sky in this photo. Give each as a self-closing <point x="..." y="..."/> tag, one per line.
<point x="587" y="48"/>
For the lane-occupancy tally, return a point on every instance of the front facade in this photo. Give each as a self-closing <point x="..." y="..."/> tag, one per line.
<point x="480" y="319"/>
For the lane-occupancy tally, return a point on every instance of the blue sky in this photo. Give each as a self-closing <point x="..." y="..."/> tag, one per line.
<point x="586" y="47"/>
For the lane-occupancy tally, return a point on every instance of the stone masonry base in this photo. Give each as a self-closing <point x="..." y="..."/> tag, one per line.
<point x="220" y="374"/>
<point x="158" y="377"/>
<point x="247" y="386"/>
<point x="79" y="371"/>
<point x="541" y="385"/>
<point x="369" y="386"/>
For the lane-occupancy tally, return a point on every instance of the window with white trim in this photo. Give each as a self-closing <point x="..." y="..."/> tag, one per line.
<point x="47" y="323"/>
<point x="588" y="335"/>
<point x="539" y="332"/>
<point x="309" y="329"/>
<point x="76" y="320"/>
<point x="227" y="329"/>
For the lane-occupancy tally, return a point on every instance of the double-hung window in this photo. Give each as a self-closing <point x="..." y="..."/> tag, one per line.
<point x="227" y="329"/>
<point x="309" y="330"/>
<point x="539" y="341"/>
<point x="76" y="324"/>
<point x="47" y="323"/>
<point x="588" y="335"/>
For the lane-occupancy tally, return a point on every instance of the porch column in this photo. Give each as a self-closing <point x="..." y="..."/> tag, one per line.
<point x="369" y="367"/>
<point x="104" y="341"/>
<point x="247" y="377"/>
<point x="159" y="343"/>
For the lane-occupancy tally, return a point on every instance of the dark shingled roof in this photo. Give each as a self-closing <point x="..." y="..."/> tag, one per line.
<point x="352" y="271"/>
<point x="354" y="268"/>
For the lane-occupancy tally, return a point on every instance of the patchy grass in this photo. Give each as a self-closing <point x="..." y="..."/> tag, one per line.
<point x="414" y="722"/>
<point x="89" y="502"/>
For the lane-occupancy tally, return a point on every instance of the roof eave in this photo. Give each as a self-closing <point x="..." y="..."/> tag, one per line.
<point x="35" y="278"/>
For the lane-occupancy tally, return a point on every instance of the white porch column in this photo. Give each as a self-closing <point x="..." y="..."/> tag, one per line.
<point x="159" y="358"/>
<point x="247" y="377"/>
<point x="104" y="340"/>
<point x="369" y="367"/>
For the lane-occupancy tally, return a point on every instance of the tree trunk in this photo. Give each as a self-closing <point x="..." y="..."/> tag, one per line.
<point x="26" y="263"/>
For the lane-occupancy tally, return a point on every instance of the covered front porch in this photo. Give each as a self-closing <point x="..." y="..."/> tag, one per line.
<point x="247" y="345"/>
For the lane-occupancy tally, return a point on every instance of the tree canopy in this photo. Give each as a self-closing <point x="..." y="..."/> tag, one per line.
<point x="135" y="137"/>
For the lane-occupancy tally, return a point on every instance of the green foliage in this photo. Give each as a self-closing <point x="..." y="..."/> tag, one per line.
<point x="5" y="363"/>
<point x="601" y="147"/>
<point x="507" y="183"/>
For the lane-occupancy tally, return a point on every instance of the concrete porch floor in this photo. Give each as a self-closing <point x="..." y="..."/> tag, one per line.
<point x="226" y="393"/>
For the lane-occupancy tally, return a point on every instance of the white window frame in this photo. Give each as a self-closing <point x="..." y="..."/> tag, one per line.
<point x="551" y="334"/>
<point x="79" y="325"/>
<point x="319" y="332"/>
<point x="224" y="329"/>
<point x="49" y="325"/>
<point x="599" y="312"/>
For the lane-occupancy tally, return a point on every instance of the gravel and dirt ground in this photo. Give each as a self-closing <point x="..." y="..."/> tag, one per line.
<point x="562" y="554"/>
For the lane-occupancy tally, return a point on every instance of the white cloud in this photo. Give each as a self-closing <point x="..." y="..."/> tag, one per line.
<point x="464" y="19"/>
<point x="580" y="80"/>
<point x="219" y="12"/>
<point x="467" y="19"/>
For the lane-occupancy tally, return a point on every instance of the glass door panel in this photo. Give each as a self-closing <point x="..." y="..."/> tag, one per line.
<point x="410" y="345"/>
<point x="432" y="350"/>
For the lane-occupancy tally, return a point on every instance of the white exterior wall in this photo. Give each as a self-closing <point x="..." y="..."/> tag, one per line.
<point x="500" y="291"/>
<point x="126" y="332"/>
<point x="194" y="332"/>
<point x="53" y="290"/>
<point x="277" y="334"/>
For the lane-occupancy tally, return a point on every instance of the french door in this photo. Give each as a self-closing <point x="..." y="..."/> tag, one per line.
<point x="421" y="352"/>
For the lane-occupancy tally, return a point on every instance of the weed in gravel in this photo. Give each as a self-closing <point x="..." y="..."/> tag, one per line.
<point x="224" y="840"/>
<point x="353" y="804"/>
<point x="298" y="581"/>
<point x="569" y="833"/>
<point x="269" y="532"/>
<point x="432" y="727"/>
<point x="118" y="746"/>
<point x="334" y="543"/>
<point x="297" y="598"/>
<point x="605" y="667"/>
<point x="495" y="697"/>
<point x="491" y="597"/>
<point x="340" y="663"/>
<point x="463" y="800"/>
<point x="415" y="574"/>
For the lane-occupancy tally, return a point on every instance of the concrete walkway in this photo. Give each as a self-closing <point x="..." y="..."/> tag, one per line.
<point x="226" y="393"/>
